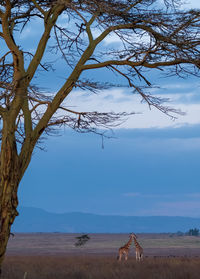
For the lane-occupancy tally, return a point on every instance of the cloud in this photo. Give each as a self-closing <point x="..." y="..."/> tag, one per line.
<point x="189" y="87"/>
<point x="180" y="208"/>
<point x="120" y="100"/>
<point x="172" y="204"/>
<point x="163" y="196"/>
<point x="132" y="195"/>
<point x="193" y="195"/>
<point x="112" y="39"/>
<point x="181" y="132"/>
<point x="183" y="95"/>
<point x="191" y="4"/>
<point x="175" y="208"/>
<point x="31" y="30"/>
<point x="188" y="4"/>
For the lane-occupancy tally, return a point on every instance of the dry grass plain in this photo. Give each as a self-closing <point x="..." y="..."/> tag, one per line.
<point x="49" y="256"/>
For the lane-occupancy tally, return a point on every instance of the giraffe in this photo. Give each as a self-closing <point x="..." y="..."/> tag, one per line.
<point x="138" y="249"/>
<point x="124" y="250"/>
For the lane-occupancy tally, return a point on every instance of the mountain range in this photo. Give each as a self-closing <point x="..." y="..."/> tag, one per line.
<point x="38" y="220"/>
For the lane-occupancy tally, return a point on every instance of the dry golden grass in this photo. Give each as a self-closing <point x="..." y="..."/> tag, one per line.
<point x="54" y="256"/>
<point x="99" y="267"/>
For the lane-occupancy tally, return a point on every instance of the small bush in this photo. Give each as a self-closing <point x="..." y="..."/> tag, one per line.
<point x="81" y="240"/>
<point x="193" y="232"/>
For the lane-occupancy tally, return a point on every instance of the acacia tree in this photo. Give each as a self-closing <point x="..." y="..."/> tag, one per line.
<point x="153" y="35"/>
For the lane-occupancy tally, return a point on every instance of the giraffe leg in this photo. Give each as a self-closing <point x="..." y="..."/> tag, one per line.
<point x="140" y="257"/>
<point x="119" y="255"/>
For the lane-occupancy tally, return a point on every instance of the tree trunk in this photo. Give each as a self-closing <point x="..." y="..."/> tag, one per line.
<point x="10" y="177"/>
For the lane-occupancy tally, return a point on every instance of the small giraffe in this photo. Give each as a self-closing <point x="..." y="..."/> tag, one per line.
<point x="138" y="249"/>
<point x="124" y="250"/>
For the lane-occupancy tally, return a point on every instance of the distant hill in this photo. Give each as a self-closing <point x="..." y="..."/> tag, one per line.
<point x="38" y="220"/>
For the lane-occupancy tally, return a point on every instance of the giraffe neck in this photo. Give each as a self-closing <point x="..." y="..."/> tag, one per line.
<point x="137" y="245"/>
<point x="127" y="245"/>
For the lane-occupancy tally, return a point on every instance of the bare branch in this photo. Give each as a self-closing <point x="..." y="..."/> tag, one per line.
<point x="43" y="42"/>
<point x="90" y="121"/>
<point x="38" y="7"/>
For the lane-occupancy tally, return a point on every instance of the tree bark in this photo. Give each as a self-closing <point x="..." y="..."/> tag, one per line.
<point x="10" y="177"/>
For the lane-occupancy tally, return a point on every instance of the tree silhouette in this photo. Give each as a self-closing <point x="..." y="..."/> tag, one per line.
<point x="81" y="240"/>
<point x="194" y="232"/>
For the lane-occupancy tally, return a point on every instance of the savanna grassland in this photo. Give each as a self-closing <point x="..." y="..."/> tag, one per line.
<point x="49" y="256"/>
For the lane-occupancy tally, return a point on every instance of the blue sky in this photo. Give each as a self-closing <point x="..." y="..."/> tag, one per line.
<point x="150" y="168"/>
<point x="141" y="172"/>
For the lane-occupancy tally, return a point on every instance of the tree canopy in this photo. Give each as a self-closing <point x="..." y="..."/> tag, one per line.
<point x="152" y="35"/>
